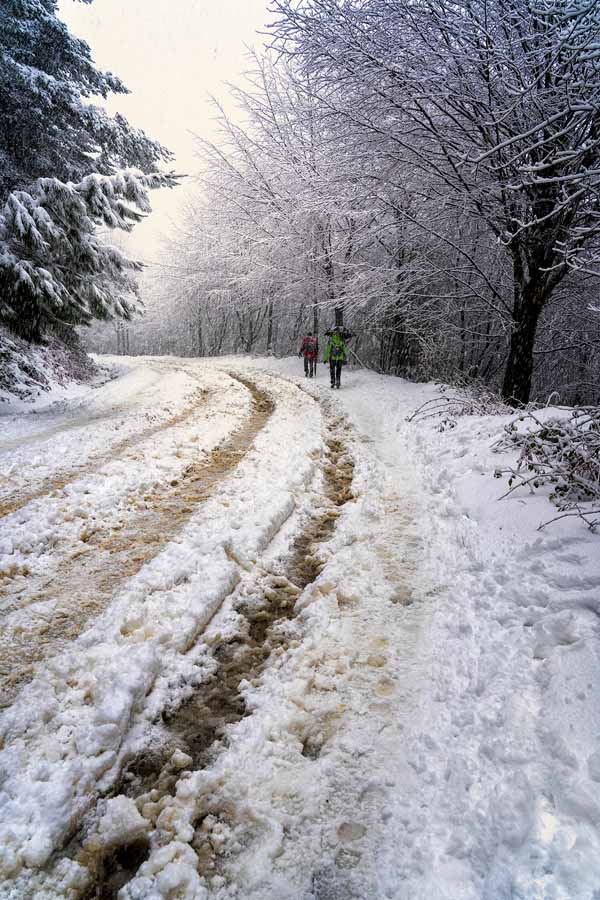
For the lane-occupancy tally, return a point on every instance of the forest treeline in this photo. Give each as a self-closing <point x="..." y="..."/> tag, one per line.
<point x="425" y="169"/>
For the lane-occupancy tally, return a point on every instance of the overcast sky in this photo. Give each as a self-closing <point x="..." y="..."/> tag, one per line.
<point x="171" y="54"/>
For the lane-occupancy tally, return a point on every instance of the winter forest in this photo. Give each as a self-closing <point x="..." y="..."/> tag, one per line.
<point x="268" y="630"/>
<point x="430" y="178"/>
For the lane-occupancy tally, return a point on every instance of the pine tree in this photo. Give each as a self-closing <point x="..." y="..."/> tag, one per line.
<point x="62" y="175"/>
<point x="53" y="266"/>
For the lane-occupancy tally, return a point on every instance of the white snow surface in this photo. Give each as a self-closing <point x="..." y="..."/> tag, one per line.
<point x="35" y="377"/>
<point x="429" y="729"/>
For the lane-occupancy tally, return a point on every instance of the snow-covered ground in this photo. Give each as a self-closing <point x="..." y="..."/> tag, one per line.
<point x="281" y="684"/>
<point x="34" y="376"/>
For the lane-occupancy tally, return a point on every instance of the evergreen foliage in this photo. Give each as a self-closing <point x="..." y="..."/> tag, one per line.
<point x="62" y="162"/>
<point x="53" y="266"/>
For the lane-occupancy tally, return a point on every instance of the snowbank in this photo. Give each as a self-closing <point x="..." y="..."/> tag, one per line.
<point x="34" y="375"/>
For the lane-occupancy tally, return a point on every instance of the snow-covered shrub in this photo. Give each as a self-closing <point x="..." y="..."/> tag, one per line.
<point x="563" y="452"/>
<point x="474" y="399"/>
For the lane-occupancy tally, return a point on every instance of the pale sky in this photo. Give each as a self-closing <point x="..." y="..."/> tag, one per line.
<point x="171" y="54"/>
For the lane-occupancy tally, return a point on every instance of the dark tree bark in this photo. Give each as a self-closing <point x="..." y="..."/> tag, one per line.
<point x="199" y="334"/>
<point x="270" y="328"/>
<point x="516" y="388"/>
<point x="536" y="275"/>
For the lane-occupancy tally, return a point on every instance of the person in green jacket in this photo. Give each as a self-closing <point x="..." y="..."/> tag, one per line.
<point x="336" y="354"/>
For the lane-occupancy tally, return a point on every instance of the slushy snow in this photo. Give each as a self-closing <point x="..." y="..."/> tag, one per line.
<point x="429" y="727"/>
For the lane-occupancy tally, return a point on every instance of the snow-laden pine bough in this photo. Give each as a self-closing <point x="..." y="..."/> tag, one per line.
<point x="561" y="452"/>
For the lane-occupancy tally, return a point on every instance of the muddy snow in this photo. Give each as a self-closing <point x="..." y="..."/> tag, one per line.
<point x="261" y="640"/>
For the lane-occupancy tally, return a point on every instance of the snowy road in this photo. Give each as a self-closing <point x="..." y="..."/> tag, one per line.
<point x="261" y="641"/>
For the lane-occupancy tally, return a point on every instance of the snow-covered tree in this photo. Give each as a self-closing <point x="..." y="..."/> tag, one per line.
<point x="54" y="267"/>
<point x="495" y="104"/>
<point x="49" y="128"/>
<point x="62" y="160"/>
<point x="290" y="221"/>
<point x="285" y="215"/>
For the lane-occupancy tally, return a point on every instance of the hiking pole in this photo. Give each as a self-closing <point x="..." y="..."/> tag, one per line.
<point x="372" y="368"/>
<point x="356" y="357"/>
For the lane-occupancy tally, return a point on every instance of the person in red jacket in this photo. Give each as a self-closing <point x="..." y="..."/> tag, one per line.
<point x="309" y="350"/>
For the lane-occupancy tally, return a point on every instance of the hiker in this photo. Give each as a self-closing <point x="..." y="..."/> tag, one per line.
<point x="336" y="353"/>
<point x="309" y="350"/>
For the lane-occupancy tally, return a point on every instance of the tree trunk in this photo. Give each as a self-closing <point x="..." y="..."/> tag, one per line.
<point x="382" y="349"/>
<point x="199" y="335"/>
<point x="463" y="337"/>
<point x="529" y="303"/>
<point x="270" y="328"/>
<point x="330" y="276"/>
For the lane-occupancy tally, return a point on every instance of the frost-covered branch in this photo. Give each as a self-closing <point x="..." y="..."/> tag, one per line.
<point x="563" y="452"/>
<point x="474" y="399"/>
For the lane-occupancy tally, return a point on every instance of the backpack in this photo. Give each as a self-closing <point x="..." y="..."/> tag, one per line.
<point x="336" y="349"/>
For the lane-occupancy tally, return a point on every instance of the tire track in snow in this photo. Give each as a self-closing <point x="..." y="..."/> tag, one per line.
<point x="345" y="701"/>
<point x="85" y="587"/>
<point x="195" y="732"/>
<point x="14" y="502"/>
